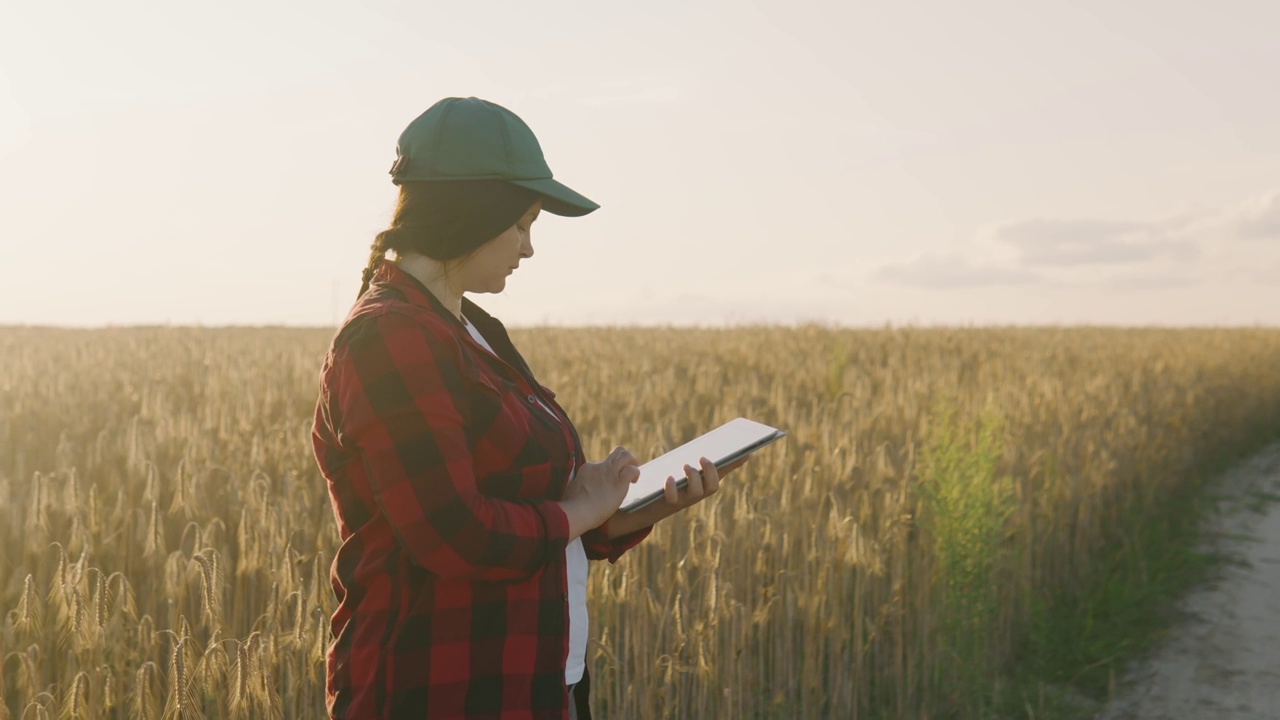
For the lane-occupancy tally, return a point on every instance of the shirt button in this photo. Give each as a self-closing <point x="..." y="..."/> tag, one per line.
<point x="532" y="399"/>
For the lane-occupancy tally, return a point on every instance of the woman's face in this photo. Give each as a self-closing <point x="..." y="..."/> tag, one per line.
<point x="486" y="271"/>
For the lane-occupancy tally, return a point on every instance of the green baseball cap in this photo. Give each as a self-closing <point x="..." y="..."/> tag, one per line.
<point x="474" y="139"/>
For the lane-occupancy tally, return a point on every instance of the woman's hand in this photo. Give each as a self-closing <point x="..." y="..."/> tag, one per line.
<point x="698" y="487"/>
<point x="598" y="489"/>
<point x="701" y="484"/>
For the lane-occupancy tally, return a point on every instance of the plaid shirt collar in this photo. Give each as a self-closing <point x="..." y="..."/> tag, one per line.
<point x="418" y="294"/>
<point x="490" y="328"/>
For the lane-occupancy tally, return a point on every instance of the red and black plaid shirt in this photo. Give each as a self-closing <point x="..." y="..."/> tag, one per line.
<point x="444" y="471"/>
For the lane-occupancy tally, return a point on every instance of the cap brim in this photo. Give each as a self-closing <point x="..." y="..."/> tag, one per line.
<point x="557" y="198"/>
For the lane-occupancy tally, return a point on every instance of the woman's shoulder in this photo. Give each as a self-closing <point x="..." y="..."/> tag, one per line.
<point x="388" y="319"/>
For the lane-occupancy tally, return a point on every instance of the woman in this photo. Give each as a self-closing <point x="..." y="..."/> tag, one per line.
<point x="466" y="508"/>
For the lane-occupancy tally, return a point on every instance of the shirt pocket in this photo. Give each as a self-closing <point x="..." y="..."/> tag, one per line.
<point x="515" y="453"/>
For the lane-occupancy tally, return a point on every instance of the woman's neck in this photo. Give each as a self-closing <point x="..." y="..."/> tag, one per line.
<point x="430" y="272"/>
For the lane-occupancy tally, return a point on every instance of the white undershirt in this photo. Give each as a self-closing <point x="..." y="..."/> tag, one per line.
<point x="575" y="558"/>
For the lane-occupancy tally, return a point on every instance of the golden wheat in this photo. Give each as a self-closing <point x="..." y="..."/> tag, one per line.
<point x="167" y="536"/>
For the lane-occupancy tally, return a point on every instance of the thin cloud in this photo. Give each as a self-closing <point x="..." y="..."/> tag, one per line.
<point x="1071" y="243"/>
<point x="953" y="271"/>
<point x="1110" y="255"/>
<point x="1259" y="218"/>
<point x="1135" y="282"/>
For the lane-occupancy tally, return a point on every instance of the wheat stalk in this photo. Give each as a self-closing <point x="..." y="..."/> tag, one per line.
<point x="238" y="697"/>
<point x="75" y="701"/>
<point x="145" y="699"/>
<point x="30" y="608"/>
<point x="182" y="702"/>
<point x="210" y="586"/>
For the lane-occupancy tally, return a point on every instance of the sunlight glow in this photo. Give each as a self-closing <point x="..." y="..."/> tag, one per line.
<point x="15" y="123"/>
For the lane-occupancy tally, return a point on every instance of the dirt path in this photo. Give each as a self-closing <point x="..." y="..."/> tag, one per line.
<point x="1224" y="662"/>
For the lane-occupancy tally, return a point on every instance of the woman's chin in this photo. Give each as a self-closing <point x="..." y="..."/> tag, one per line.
<point x="495" y="285"/>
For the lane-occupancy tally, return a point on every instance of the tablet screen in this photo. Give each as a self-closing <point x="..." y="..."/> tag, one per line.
<point x="723" y="446"/>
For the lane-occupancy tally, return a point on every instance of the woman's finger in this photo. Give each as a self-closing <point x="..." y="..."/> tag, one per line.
<point x="694" y="488"/>
<point x="616" y="457"/>
<point x="618" y="461"/>
<point x="670" y="492"/>
<point x="710" y="477"/>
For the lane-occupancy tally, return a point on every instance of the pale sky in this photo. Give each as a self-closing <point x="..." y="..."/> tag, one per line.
<point x="849" y="163"/>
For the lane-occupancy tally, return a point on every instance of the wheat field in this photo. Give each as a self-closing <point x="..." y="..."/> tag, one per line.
<point x="166" y="535"/>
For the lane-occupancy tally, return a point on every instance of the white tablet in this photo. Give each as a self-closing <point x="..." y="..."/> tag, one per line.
<point x="722" y="446"/>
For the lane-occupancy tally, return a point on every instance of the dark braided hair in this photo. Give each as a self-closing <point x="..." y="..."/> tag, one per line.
<point x="448" y="220"/>
<point x="378" y="252"/>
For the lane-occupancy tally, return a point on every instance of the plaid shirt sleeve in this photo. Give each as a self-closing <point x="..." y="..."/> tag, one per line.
<point x="398" y="406"/>
<point x="599" y="546"/>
